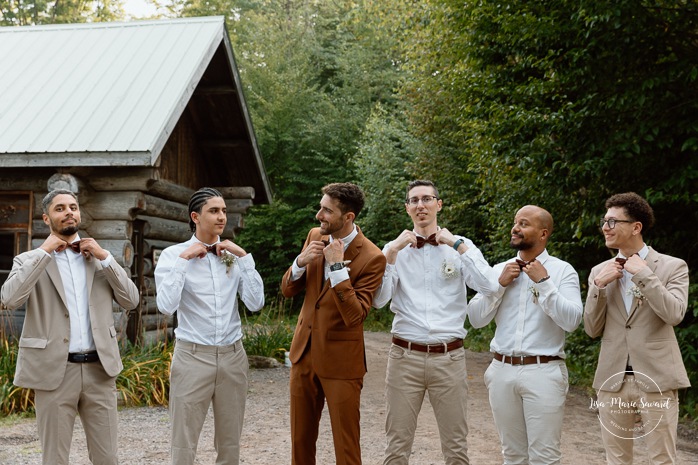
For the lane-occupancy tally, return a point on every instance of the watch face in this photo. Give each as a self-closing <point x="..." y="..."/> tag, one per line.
<point x="336" y="266"/>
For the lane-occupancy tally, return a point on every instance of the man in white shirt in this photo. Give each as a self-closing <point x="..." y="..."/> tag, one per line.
<point x="537" y="301"/>
<point x="426" y="275"/>
<point x="635" y="299"/>
<point x="68" y="351"/>
<point x="200" y="279"/>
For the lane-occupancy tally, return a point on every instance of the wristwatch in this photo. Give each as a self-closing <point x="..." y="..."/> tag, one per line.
<point x="336" y="266"/>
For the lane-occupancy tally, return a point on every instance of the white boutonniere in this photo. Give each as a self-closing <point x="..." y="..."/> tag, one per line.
<point x="228" y="259"/>
<point x="449" y="269"/>
<point x="534" y="291"/>
<point x="635" y="292"/>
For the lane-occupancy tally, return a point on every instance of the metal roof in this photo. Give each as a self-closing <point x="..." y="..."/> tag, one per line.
<point x="99" y="87"/>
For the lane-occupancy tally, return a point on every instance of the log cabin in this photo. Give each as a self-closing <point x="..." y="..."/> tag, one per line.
<point x="133" y="117"/>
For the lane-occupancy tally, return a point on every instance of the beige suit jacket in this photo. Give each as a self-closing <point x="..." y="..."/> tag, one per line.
<point x="43" y="345"/>
<point x="646" y="335"/>
<point x="331" y="320"/>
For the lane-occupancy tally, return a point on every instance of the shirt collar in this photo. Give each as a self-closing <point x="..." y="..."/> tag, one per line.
<point x="194" y="239"/>
<point x="642" y="252"/>
<point x="542" y="257"/>
<point x="437" y="229"/>
<point x="347" y="240"/>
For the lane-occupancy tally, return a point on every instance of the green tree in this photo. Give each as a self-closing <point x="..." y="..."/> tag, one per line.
<point x="313" y="72"/>
<point x="17" y="13"/>
<point x="561" y="104"/>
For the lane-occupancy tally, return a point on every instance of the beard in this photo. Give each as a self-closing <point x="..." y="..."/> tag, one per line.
<point x="65" y="230"/>
<point x="523" y="244"/>
<point x="68" y="231"/>
<point x="331" y="228"/>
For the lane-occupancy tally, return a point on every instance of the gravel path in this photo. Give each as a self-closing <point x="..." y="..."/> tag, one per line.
<point x="144" y="432"/>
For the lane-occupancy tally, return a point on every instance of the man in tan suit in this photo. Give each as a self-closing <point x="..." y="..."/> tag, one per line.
<point x="68" y="351"/>
<point x="339" y="269"/>
<point x="635" y="299"/>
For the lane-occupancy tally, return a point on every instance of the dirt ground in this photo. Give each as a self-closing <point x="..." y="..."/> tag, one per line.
<point x="144" y="432"/>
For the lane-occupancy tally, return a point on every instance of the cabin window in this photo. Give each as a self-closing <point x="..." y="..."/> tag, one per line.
<point x="15" y="228"/>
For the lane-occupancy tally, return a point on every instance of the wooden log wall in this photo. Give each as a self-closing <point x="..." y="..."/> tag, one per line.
<point x="162" y="207"/>
<point x="110" y="206"/>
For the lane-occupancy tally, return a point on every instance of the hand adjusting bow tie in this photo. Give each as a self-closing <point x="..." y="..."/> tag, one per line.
<point x="429" y="240"/>
<point x="523" y="263"/>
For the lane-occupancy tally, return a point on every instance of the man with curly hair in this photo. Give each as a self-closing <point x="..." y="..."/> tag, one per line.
<point x="635" y="299"/>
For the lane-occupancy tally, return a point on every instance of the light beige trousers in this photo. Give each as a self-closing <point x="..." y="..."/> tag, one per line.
<point x="658" y="415"/>
<point x="86" y="390"/>
<point x="202" y="376"/>
<point x="409" y="376"/>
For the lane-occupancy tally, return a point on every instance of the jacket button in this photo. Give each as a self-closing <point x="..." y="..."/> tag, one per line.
<point x="66" y="341"/>
<point x="627" y="327"/>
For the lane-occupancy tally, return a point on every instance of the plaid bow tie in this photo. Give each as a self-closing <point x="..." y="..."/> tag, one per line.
<point x="421" y="241"/>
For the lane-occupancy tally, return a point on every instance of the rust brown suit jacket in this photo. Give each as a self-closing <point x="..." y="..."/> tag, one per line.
<point x="332" y="318"/>
<point x="647" y="334"/>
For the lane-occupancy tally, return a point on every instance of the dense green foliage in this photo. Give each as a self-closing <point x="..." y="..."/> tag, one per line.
<point x="18" y="13"/>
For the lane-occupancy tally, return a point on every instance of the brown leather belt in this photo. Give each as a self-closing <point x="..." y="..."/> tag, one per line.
<point x="429" y="348"/>
<point x="525" y="359"/>
<point x="87" y="357"/>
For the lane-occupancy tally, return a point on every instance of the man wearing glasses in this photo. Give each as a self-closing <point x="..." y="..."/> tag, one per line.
<point x="635" y="299"/>
<point x="426" y="275"/>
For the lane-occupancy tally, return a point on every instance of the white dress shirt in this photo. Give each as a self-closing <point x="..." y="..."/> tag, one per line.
<point x="335" y="277"/>
<point x="526" y="324"/>
<point x="430" y="304"/>
<point x="204" y="294"/>
<point x="71" y="266"/>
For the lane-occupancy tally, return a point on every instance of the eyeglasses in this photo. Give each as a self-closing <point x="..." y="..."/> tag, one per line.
<point x="426" y="200"/>
<point x="612" y="222"/>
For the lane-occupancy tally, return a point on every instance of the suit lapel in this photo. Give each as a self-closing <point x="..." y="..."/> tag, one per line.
<point x="90" y="268"/>
<point x="55" y="275"/>
<point x="320" y="281"/>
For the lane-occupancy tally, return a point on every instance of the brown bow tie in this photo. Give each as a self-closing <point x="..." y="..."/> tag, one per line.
<point x="429" y="240"/>
<point x="74" y="246"/>
<point x="522" y="263"/>
<point x="621" y="262"/>
<point x="212" y="249"/>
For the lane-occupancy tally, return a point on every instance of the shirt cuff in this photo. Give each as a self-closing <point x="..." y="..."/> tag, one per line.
<point x="296" y="271"/>
<point x="246" y="262"/>
<point x="105" y="263"/>
<point x="338" y="276"/>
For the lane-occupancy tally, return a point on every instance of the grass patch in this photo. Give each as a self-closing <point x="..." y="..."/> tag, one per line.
<point x="13" y="399"/>
<point x="145" y="379"/>
<point x="268" y="333"/>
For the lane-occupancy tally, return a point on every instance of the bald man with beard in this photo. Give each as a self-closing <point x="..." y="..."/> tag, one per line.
<point x="537" y="302"/>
